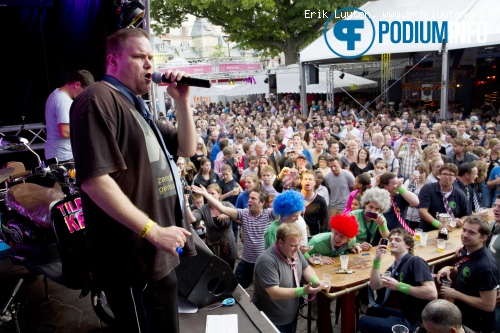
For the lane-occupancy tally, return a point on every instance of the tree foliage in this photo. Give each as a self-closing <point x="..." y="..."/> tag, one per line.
<point x="264" y="25"/>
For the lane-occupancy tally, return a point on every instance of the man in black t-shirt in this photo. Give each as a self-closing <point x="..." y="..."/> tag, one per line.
<point x="131" y="190"/>
<point x="476" y="277"/>
<point x="410" y="279"/>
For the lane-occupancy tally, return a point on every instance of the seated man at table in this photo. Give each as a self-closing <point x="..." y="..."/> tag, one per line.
<point x="442" y="197"/>
<point x="277" y="276"/>
<point x="340" y="240"/>
<point x="374" y="201"/>
<point x="442" y="316"/>
<point x="476" y="277"/>
<point x="410" y="279"/>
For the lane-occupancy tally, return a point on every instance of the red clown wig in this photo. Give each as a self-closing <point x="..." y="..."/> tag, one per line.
<point x="344" y="224"/>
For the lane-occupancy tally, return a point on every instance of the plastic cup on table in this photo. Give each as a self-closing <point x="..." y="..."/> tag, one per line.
<point x="423" y="238"/>
<point x="316" y="259"/>
<point x="441" y="244"/>
<point x="327" y="279"/>
<point x="418" y="232"/>
<point x="344" y="260"/>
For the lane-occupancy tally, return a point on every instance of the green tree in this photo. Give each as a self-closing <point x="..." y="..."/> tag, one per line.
<point x="272" y="26"/>
<point x="219" y="52"/>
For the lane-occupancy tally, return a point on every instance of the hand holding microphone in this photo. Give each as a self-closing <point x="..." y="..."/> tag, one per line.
<point x="159" y="77"/>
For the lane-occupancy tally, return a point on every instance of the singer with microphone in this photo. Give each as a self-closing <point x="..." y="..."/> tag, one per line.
<point x="131" y="191"/>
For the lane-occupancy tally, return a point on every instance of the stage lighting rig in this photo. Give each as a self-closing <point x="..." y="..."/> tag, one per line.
<point x="130" y="14"/>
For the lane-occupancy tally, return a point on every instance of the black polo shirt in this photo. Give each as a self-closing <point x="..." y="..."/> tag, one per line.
<point x="431" y="197"/>
<point x="390" y="215"/>
<point x="480" y="273"/>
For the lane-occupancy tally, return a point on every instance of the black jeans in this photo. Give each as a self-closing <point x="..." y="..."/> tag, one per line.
<point x="147" y="308"/>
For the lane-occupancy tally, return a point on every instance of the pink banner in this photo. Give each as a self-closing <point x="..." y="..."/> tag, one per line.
<point x="238" y="67"/>
<point x="194" y="69"/>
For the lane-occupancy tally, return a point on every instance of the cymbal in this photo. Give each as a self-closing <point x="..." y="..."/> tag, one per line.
<point x="5" y="173"/>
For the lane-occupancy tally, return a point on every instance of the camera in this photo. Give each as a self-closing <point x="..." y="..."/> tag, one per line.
<point x="371" y="215"/>
<point x="384" y="241"/>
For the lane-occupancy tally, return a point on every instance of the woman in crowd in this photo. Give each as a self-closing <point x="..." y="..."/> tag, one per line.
<point x="367" y="140"/>
<point x="371" y="221"/>
<point x="392" y="161"/>
<point x="336" y="130"/>
<point x="191" y="172"/>
<point x="428" y="154"/>
<point x="363" y="163"/>
<point x="436" y="127"/>
<point x="219" y="236"/>
<point x="206" y="175"/>
<point x="434" y="166"/>
<point x="251" y="182"/>
<point x="181" y="165"/>
<point x="361" y="183"/>
<point x="307" y="141"/>
<point x="380" y="167"/>
<point x="351" y="151"/>
<point x="201" y="152"/>
<point x="414" y="184"/>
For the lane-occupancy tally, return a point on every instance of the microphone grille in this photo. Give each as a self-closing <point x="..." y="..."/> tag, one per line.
<point x="156" y="77"/>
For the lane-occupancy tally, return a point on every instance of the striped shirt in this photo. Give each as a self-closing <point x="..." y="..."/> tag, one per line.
<point x="408" y="163"/>
<point x="254" y="228"/>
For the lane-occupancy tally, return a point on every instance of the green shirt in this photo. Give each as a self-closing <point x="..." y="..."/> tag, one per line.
<point x="365" y="228"/>
<point x="323" y="245"/>
<point x="270" y="235"/>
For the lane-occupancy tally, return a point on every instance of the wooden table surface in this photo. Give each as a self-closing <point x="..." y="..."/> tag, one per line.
<point x="344" y="285"/>
<point x="362" y="262"/>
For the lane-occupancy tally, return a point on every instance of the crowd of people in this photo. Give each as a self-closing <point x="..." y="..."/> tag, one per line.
<point x="390" y="171"/>
<point x="289" y="186"/>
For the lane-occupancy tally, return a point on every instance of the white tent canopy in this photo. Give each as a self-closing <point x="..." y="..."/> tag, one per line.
<point x="466" y="14"/>
<point x="286" y="83"/>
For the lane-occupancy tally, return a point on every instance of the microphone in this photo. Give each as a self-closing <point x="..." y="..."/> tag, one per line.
<point x="159" y="77"/>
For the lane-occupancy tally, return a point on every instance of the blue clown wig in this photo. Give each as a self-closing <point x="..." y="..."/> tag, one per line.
<point x="288" y="203"/>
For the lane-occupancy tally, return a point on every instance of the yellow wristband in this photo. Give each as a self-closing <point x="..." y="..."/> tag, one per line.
<point x="146" y="229"/>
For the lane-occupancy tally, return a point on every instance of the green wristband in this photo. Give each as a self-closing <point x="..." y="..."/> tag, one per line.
<point x="404" y="288"/>
<point x="300" y="292"/>
<point x="376" y="263"/>
<point x="436" y="223"/>
<point x="401" y="190"/>
<point x="314" y="281"/>
<point x="383" y="228"/>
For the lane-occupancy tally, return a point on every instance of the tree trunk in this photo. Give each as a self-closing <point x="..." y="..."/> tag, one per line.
<point x="291" y="50"/>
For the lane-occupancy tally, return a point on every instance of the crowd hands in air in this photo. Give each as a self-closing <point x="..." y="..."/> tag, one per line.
<point x="338" y="181"/>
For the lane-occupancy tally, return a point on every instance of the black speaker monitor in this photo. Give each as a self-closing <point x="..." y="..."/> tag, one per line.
<point x="205" y="278"/>
<point x="313" y="77"/>
<point x="394" y="93"/>
<point x="273" y="84"/>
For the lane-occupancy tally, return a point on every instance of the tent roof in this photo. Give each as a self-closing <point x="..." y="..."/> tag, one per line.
<point x="485" y="11"/>
<point x="286" y="83"/>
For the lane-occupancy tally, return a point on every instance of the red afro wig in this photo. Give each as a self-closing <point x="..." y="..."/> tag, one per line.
<point x="344" y="224"/>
